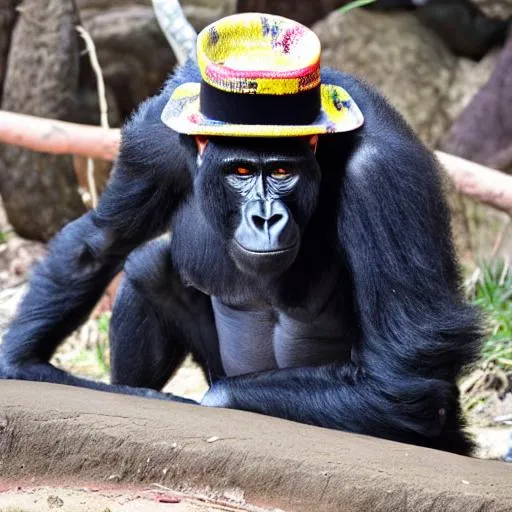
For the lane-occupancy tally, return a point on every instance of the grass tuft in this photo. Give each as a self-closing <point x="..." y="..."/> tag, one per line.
<point x="492" y="292"/>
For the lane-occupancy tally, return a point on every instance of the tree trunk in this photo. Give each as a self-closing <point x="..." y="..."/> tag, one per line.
<point x="40" y="191"/>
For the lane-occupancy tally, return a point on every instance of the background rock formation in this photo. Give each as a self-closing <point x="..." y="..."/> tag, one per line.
<point x="408" y="63"/>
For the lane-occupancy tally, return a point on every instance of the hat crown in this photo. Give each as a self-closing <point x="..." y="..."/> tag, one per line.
<point x="258" y="53"/>
<point x="260" y="77"/>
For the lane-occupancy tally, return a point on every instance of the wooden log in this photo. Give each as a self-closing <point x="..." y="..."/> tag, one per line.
<point x="58" y="137"/>
<point x="479" y="182"/>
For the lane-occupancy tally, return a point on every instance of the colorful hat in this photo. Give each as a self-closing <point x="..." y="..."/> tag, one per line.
<point x="260" y="78"/>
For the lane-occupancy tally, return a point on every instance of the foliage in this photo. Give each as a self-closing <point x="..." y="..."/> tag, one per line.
<point x="86" y="352"/>
<point x="354" y="5"/>
<point x="102" y="343"/>
<point x="492" y="292"/>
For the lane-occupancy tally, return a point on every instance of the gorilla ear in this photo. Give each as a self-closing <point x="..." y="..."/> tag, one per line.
<point x="312" y="141"/>
<point x="201" y="142"/>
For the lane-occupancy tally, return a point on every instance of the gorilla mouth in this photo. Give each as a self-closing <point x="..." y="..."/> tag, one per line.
<point x="270" y="252"/>
<point x="259" y="263"/>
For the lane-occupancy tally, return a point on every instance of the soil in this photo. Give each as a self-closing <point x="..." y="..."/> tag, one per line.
<point x="96" y="498"/>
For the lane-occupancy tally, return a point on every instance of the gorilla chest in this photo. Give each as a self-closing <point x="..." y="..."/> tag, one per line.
<point x="256" y="339"/>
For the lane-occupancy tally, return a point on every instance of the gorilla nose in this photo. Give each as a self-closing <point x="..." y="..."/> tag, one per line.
<point x="267" y="217"/>
<point x="266" y="223"/>
<point x="266" y="226"/>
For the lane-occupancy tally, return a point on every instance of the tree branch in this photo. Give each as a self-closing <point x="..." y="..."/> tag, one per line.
<point x="178" y="31"/>
<point x="58" y="137"/>
<point x="481" y="183"/>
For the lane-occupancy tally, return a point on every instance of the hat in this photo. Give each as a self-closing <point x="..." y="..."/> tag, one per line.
<point x="260" y="77"/>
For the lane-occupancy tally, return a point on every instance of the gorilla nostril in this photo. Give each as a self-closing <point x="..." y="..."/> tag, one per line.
<point x="274" y="219"/>
<point x="258" y="222"/>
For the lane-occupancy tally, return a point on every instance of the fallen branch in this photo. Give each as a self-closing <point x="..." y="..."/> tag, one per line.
<point x="58" y="137"/>
<point x="481" y="183"/>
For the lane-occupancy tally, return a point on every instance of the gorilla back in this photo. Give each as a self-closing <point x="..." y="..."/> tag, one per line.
<point x="312" y="278"/>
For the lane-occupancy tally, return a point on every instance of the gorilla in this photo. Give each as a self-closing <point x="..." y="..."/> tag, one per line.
<point x="312" y="277"/>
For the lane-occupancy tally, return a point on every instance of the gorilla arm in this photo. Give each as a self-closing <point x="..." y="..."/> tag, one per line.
<point x="137" y="205"/>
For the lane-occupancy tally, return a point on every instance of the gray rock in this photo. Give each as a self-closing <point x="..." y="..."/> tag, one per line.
<point x="409" y="64"/>
<point x="134" y="54"/>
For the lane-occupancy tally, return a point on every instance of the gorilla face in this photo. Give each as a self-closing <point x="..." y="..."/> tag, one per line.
<point x="259" y="194"/>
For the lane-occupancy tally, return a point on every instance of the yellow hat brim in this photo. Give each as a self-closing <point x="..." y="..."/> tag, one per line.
<point x="339" y="113"/>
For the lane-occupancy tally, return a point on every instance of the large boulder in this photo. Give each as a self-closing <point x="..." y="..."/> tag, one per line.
<point x="408" y="63"/>
<point x="463" y="27"/>
<point x="134" y="55"/>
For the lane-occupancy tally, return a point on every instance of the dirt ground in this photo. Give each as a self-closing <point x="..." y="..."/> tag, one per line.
<point x="96" y="499"/>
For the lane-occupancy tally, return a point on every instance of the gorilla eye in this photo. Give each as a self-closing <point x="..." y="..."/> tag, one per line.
<point x="281" y="173"/>
<point x="243" y="171"/>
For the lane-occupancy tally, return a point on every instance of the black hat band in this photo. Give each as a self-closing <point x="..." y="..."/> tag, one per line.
<point x="301" y="108"/>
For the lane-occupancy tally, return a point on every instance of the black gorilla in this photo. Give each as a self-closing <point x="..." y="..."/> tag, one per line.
<point x="319" y="287"/>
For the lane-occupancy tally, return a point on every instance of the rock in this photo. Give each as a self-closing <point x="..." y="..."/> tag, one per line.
<point x="495" y="8"/>
<point x="134" y="55"/>
<point x="270" y="462"/>
<point x="463" y="27"/>
<point x="299" y="11"/>
<point x="132" y="51"/>
<point x="407" y="62"/>
<point x="203" y="12"/>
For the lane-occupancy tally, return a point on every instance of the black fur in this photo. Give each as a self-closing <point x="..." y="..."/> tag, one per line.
<point x="376" y="263"/>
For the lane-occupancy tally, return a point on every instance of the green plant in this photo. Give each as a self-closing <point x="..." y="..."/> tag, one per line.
<point x="102" y="343"/>
<point x="354" y="5"/>
<point x="492" y="292"/>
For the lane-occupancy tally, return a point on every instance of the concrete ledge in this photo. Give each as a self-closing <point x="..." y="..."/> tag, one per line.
<point x="58" y="432"/>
